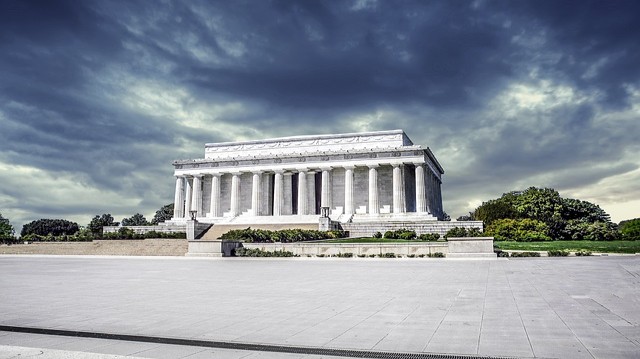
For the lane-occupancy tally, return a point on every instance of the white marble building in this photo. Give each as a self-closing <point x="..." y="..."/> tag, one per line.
<point x="358" y="176"/>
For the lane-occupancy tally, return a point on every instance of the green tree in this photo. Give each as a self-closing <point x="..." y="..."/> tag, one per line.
<point x="165" y="213"/>
<point x="53" y="227"/>
<point x="565" y="218"/>
<point x="630" y="230"/>
<point x="7" y="233"/>
<point x="99" y="221"/>
<point x="135" y="220"/>
<point x="495" y="209"/>
<point x="469" y="217"/>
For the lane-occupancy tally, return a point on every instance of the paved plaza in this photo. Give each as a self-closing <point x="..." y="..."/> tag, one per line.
<point x="537" y="307"/>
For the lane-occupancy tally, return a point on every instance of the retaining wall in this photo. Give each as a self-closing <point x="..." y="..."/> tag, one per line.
<point x="314" y="249"/>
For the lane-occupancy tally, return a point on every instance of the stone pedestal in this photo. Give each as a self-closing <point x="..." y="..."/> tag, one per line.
<point x="471" y="247"/>
<point x="200" y="248"/>
<point x="325" y="224"/>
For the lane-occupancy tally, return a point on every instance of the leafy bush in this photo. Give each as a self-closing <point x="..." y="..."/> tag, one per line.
<point x="411" y="256"/>
<point x="630" y="230"/>
<point x="463" y="232"/>
<point x="500" y="253"/>
<point x="521" y="230"/>
<point x="436" y="255"/>
<point x="387" y="255"/>
<point x="403" y="233"/>
<point x="257" y="252"/>
<point x="285" y="236"/>
<point x="432" y="237"/>
<point x="583" y="253"/>
<point x="361" y="255"/>
<point x="525" y="254"/>
<point x="344" y="255"/>
<point x="377" y="235"/>
<point x="558" y="253"/>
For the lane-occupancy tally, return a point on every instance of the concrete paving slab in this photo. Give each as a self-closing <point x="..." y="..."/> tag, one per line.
<point x="543" y="307"/>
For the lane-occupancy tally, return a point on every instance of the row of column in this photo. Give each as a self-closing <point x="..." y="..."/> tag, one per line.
<point x="427" y="192"/>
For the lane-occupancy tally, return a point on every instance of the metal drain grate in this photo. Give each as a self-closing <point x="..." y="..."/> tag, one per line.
<point x="348" y="353"/>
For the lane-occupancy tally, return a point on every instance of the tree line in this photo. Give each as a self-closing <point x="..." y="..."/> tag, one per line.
<point x="62" y="229"/>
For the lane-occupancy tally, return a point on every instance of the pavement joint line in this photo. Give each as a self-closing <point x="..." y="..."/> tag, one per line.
<point x="348" y="353"/>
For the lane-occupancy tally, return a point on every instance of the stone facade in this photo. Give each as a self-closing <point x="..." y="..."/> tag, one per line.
<point x="370" y="176"/>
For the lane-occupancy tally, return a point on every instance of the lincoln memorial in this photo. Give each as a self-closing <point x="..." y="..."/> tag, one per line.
<point x="355" y="177"/>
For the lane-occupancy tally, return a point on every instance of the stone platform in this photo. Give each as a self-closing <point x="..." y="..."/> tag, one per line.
<point x="526" y="308"/>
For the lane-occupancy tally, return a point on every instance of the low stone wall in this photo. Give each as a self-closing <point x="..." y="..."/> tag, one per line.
<point x="135" y="247"/>
<point x="366" y="229"/>
<point x="327" y="249"/>
<point x="468" y="247"/>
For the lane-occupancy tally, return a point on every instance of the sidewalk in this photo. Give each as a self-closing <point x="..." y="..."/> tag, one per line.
<point x="540" y="307"/>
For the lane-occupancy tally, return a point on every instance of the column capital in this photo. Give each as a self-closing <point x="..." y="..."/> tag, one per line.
<point x="349" y="167"/>
<point x="373" y="166"/>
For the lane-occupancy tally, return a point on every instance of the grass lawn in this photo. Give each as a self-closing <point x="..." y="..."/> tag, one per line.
<point x="593" y="246"/>
<point x="366" y="240"/>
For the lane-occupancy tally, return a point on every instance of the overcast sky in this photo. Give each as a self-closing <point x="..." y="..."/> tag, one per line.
<point x="98" y="97"/>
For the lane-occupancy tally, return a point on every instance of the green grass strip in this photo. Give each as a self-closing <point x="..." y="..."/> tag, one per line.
<point x="593" y="246"/>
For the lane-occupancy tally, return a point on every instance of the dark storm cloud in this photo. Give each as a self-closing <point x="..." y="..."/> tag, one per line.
<point x="113" y="91"/>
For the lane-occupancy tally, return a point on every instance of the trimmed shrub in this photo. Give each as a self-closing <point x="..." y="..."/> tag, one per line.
<point x="257" y="252"/>
<point x="377" y="235"/>
<point x="463" y="232"/>
<point x="525" y="254"/>
<point x="436" y="255"/>
<point x="344" y="255"/>
<point x="431" y="237"/>
<point x="403" y="233"/>
<point x="558" y="253"/>
<point x="285" y="236"/>
<point x="387" y="255"/>
<point x="583" y="253"/>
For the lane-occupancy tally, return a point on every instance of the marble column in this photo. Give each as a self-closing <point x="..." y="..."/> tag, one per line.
<point x="398" y="190"/>
<point x="278" y="193"/>
<point x="311" y="192"/>
<point x="214" y="208"/>
<point x="178" y="202"/>
<point x="256" y="202"/>
<point x="196" y="203"/>
<point x="187" y="198"/>
<point x="235" y="194"/>
<point x="303" y="203"/>
<point x="432" y="191"/>
<point x="348" y="191"/>
<point x="421" y="199"/>
<point x="374" y="206"/>
<point x="325" y="198"/>
<point x="439" y="194"/>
